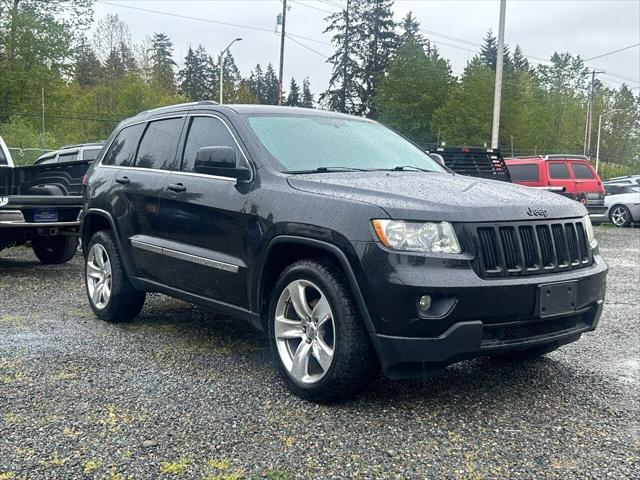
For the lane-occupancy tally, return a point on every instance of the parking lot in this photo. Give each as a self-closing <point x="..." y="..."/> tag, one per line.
<point x="182" y="392"/>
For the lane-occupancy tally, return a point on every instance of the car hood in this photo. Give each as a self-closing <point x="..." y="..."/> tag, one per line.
<point x="414" y="195"/>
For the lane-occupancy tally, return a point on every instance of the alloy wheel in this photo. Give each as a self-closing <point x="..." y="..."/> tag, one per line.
<point x="98" y="279"/>
<point x="304" y="330"/>
<point x="619" y="216"/>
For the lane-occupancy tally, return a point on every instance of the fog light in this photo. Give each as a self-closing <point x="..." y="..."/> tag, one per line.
<point x="424" y="304"/>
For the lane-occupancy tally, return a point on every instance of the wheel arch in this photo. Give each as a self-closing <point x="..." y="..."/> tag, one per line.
<point x="283" y="250"/>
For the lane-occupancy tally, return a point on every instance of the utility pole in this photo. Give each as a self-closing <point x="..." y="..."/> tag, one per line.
<point x="587" y="143"/>
<point x="345" y="57"/>
<point x="42" y="139"/>
<point x="497" y="94"/>
<point x="282" y="35"/>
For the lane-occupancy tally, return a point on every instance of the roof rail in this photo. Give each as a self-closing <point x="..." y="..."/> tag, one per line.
<point x="78" y="145"/>
<point x="563" y="156"/>
<point x="169" y="107"/>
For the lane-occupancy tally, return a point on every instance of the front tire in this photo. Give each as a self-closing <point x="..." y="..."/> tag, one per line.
<point x="54" y="250"/>
<point x="318" y="342"/>
<point x="620" y="216"/>
<point x="110" y="293"/>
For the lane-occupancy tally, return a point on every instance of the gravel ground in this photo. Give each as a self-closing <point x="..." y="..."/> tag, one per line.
<point x="184" y="393"/>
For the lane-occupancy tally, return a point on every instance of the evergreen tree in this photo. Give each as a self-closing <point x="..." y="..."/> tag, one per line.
<point x="88" y="68"/>
<point x="270" y="86"/>
<point x="257" y="84"/>
<point x="410" y="30"/>
<point x="519" y="61"/>
<point x="346" y="26"/>
<point x="293" y="96"/>
<point x="307" y="96"/>
<point x="489" y="52"/>
<point x="193" y="77"/>
<point x="212" y="72"/>
<point x="162" y="61"/>
<point x="377" y="45"/>
<point x="127" y="57"/>
<point x="114" y="67"/>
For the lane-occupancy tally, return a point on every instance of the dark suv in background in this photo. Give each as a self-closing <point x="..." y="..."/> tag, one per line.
<point x="349" y="245"/>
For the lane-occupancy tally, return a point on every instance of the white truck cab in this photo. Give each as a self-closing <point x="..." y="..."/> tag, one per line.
<point x="5" y="156"/>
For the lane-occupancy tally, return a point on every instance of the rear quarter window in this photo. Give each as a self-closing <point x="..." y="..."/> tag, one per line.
<point x="581" y="171"/>
<point x="123" y="148"/>
<point x="91" y="154"/>
<point x="68" y="157"/>
<point x="559" y="171"/>
<point x="524" y="173"/>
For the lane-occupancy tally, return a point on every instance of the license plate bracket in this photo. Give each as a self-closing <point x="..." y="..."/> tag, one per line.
<point x="557" y="299"/>
<point x="43" y="215"/>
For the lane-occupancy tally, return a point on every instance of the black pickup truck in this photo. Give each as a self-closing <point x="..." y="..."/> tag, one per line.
<point x="41" y="204"/>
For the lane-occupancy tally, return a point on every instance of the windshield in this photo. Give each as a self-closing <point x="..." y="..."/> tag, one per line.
<point x="308" y="143"/>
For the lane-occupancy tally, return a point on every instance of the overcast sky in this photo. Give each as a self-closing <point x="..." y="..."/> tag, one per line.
<point x="588" y="28"/>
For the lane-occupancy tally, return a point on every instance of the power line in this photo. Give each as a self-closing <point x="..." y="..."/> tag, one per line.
<point x="207" y="20"/>
<point x="536" y="60"/>
<point x="612" y="52"/>
<point x="307" y="47"/>
<point x="296" y="2"/>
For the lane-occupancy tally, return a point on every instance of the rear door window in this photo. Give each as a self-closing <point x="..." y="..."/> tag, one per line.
<point x="559" y="171"/>
<point x="524" y="173"/>
<point x="123" y="148"/>
<point x="91" y="154"/>
<point x="159" y="144"/>
<point x="68" y="157"/>
<point x="206" y="132"/>
<point x="581" y="171"/>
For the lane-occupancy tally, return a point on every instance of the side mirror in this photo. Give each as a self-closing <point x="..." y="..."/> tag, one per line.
<point x="220" y="161"/>
<point x="438" y="158"/>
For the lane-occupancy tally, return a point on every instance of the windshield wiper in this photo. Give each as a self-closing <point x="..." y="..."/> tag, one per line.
<point x="401" y="168"/>
<point x="328" y="170"/>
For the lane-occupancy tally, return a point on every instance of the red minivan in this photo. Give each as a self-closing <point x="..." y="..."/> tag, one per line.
<point x="570" y="175"/>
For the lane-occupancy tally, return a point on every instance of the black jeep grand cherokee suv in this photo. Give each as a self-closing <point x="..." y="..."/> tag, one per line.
<point x="353" y="248"/>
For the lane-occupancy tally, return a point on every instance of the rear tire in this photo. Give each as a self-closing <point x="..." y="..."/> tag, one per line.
<point x="528" y="354"/>
<point x="620" y="216"/>
<point x="338" y="359"/>
<point x="110" y="293"/>
<point x="54" y="250"/>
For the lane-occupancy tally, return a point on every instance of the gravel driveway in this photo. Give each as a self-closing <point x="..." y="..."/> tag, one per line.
<point x="184" y="393"/>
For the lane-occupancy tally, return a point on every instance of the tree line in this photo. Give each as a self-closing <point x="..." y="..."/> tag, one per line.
<point x="381" y="68"/>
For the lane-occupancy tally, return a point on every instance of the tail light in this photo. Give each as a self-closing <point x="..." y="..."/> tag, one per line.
<point x="85" y="180"/>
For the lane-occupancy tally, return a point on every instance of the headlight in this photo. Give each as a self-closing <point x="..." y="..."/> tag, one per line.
<point x="588" y="228"/>
<point x="417" y="236"/>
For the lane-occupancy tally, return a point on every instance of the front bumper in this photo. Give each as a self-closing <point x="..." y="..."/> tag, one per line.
<point x="407" y="357"/>
<point x="480" y="316"/>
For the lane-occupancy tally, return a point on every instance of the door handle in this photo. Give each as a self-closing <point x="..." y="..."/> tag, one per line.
<point x="123" y="180"/>
<point x="177" y="187"/>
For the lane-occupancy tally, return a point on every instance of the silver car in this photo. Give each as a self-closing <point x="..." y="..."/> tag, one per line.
<point x="623" y="204"/>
